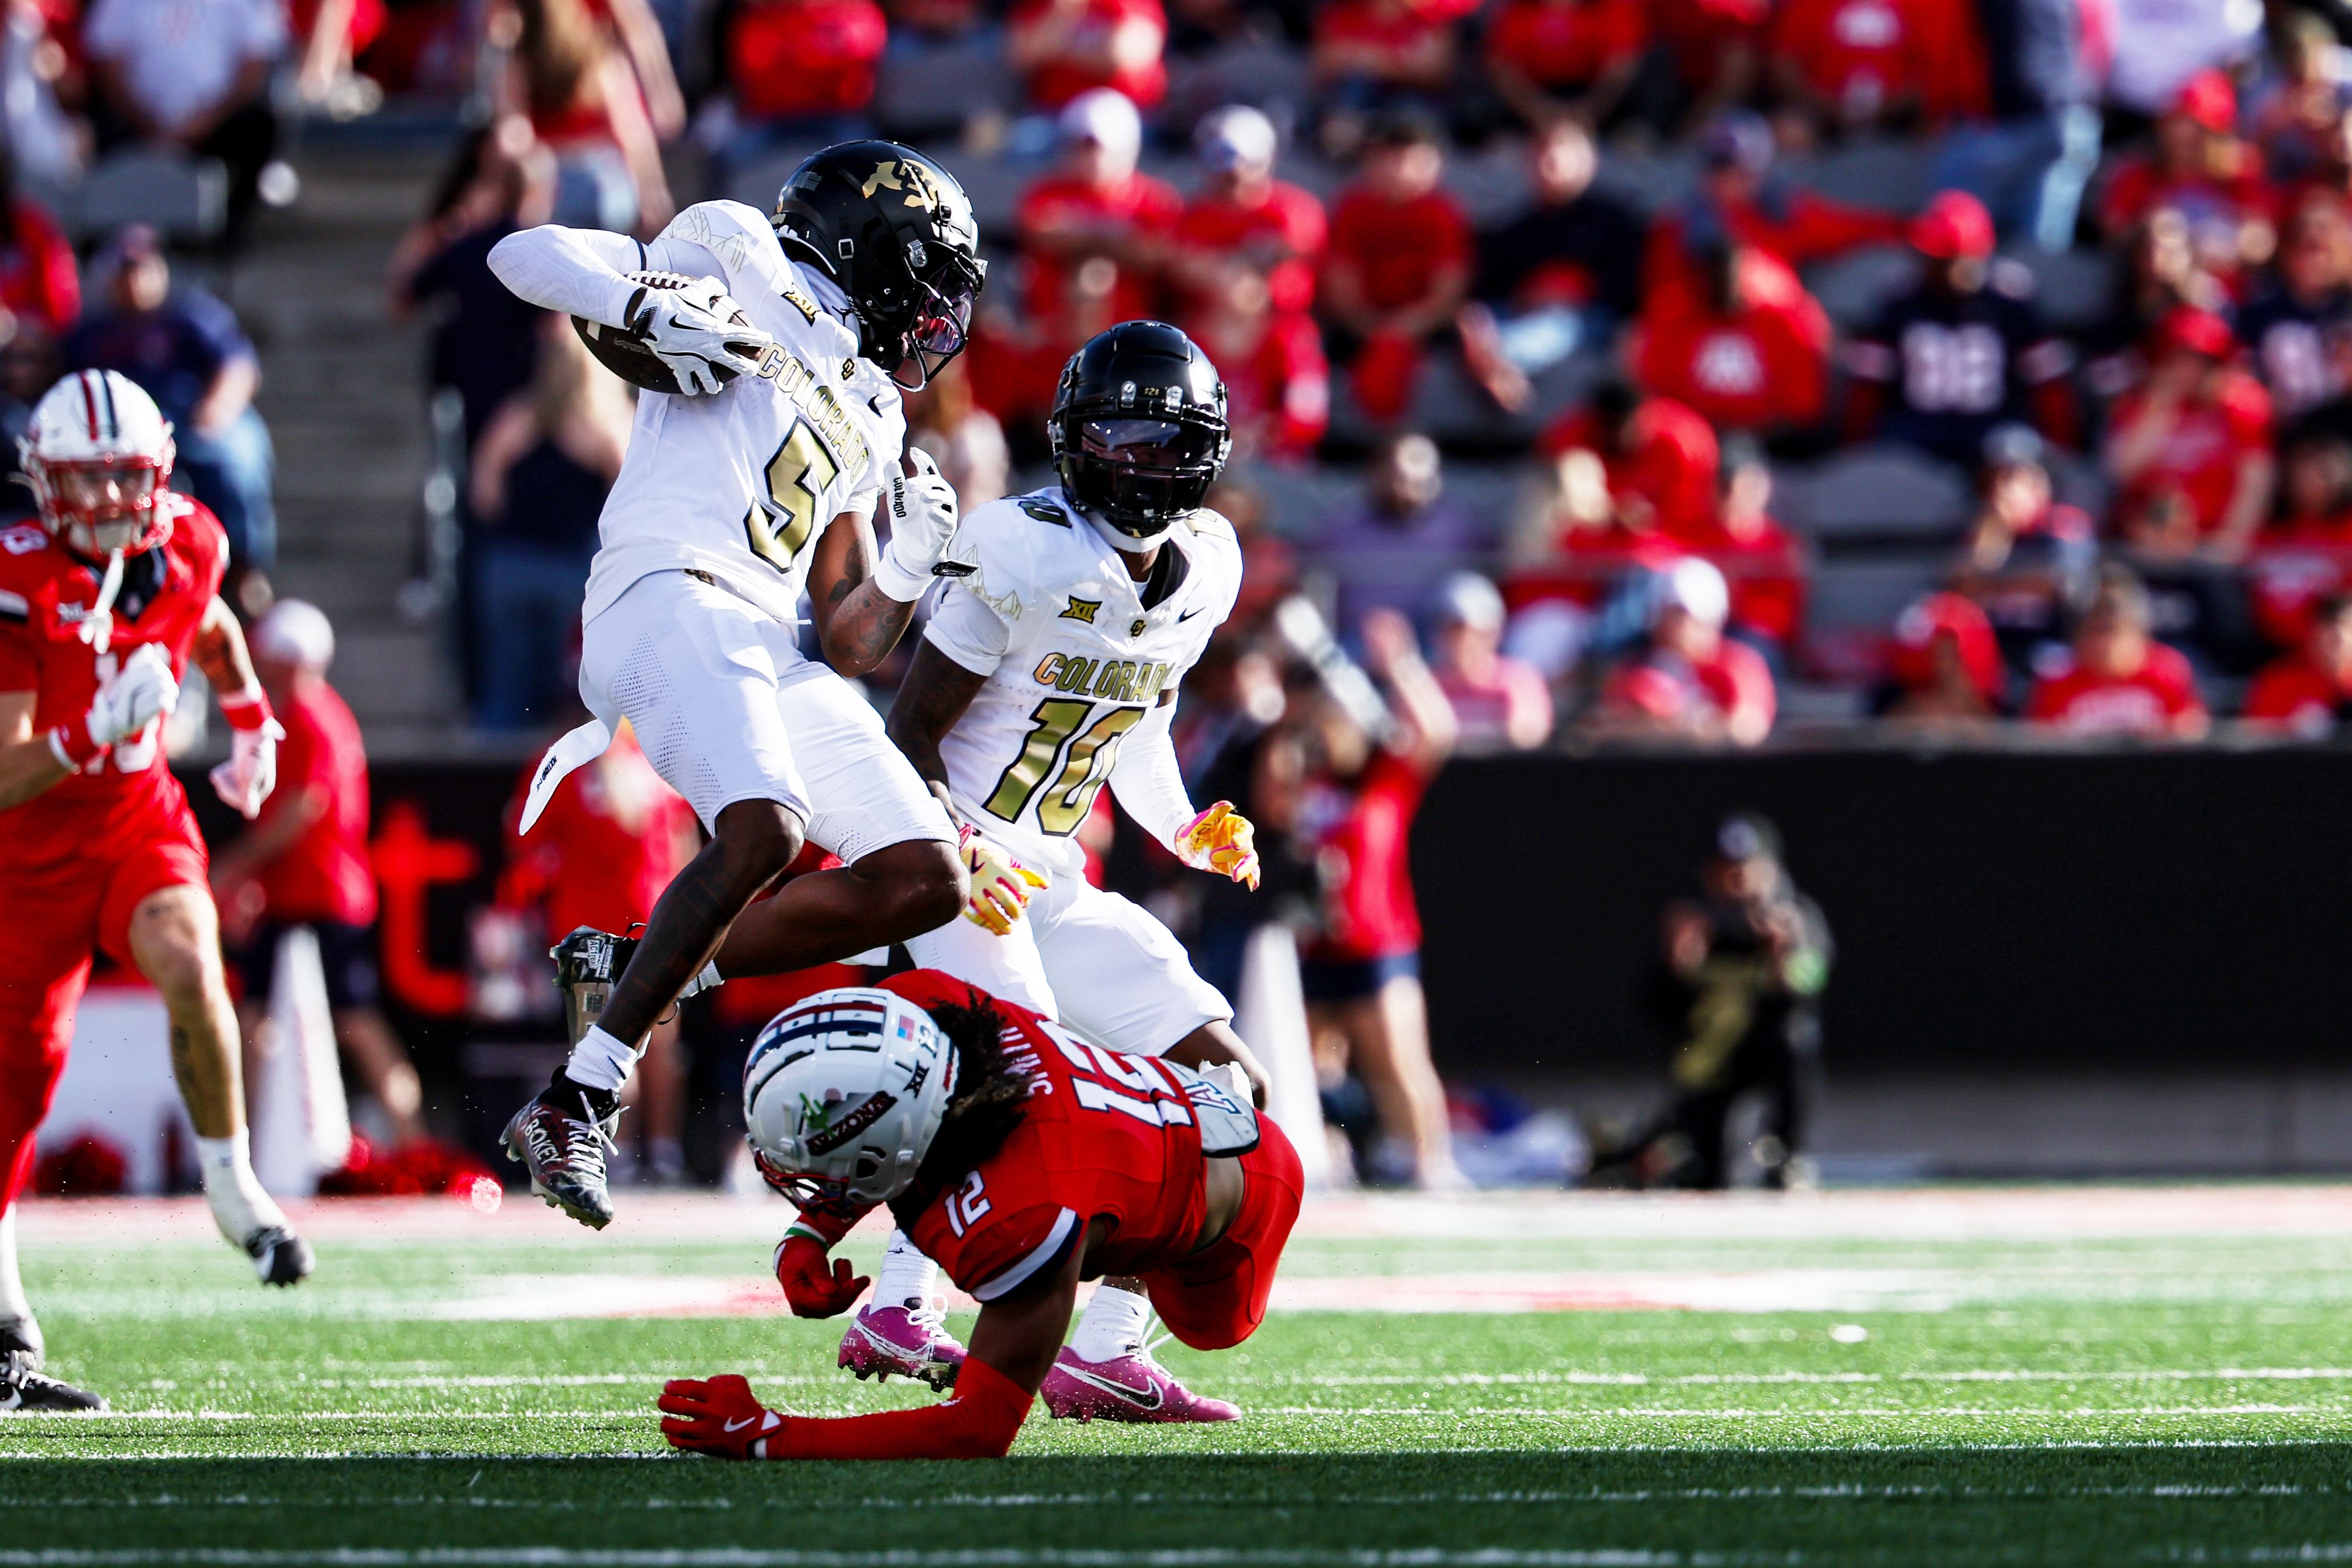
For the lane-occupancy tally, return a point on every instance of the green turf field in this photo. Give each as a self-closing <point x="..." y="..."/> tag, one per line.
<point x="2045" y="1377"/>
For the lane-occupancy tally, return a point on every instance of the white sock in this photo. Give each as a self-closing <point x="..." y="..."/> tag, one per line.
<point x="1111" y="1326"/>
<point x="601" y="1061"/>
<point x="13" y="1305"/>
<point x="907" y="1279"/>
<point x="239" y="1206"/>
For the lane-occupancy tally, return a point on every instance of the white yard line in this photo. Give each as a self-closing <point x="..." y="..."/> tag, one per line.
<point x="983" y="1557"/>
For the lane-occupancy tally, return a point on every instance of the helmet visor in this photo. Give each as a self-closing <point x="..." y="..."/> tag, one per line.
<point x="100" y="493"/>
<point x="1150" y="446"/>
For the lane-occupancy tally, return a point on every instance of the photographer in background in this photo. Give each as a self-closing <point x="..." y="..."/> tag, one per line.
<point x="1745" y="969"/>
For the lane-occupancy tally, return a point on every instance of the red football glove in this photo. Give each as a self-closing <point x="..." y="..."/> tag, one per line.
<point x="718" y="1418"/>
<point x="813" y="1289"/>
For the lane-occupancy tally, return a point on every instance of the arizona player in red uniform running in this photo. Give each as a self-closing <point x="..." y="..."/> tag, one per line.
<point x="1021" y="1159"/>
<point x="102" y="605"/>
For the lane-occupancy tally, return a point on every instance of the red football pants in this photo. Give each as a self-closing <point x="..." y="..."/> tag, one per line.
<point x="1216" y="1298"/>
<point x="70" y="910"/>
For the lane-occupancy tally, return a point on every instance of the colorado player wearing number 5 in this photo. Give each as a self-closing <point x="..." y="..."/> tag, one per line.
<point x="1026" y="1160"/>
<point x="771" y="353"/>
<point x="1050" y="671"/>
<point x="103" y="603"/>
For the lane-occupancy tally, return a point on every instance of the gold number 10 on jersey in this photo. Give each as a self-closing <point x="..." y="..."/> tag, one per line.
<point x="797" y="477"/>
<point x="1089" y="764"/>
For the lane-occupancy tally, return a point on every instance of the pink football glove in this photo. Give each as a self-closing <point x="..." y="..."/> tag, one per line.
<point x="1000" y="884"/>
<point x="717" y="1417"/>
<point x="1220" y="839"/>
<point x="813" y="1289"/>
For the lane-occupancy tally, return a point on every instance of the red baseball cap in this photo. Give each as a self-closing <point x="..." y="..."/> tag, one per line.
<point x="2198" y="332"/>
<point x="2210" y="99"/>
<point x="1953" y="225"/>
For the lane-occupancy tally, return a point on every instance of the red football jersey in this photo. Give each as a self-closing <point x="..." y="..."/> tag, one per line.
<point x="45" y="594"/>
<point x="1670" y="460"/>
<point x="805" y="58"/>
<point x="1765" y="366"/>
<point x="1104" y="1136"/>
<point x="1361" y="835"/>
<point x="1062" y="77"/>
<point x="2297" y="695"/>
<point x="2081" y="703"/>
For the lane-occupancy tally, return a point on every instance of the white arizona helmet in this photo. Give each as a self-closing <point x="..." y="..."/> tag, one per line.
<point x="843" y="1093"/>
<point x="98" y="455"/>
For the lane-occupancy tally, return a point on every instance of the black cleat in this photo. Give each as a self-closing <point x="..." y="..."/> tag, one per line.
<point x="560" y="1138"/>
<point x="24" y="1388"/>
<point x="588" y="964"/>
<point x="279" y="1256"/>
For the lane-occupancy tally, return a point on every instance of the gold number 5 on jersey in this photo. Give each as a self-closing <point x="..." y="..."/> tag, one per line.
<point x="797" y="477"/>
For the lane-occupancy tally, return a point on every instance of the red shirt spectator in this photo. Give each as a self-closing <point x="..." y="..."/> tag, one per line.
<point x="790" y="60"/>
<point x="1756" y="555"/>
<point x="1065" y="46"/>
<point x="1751" y="354"/>
<point x="1244" y="216"/>
<point x="1862" y="61"/>
<point x="1361" y="833"/>
<point x="325" y="873"/>
<point x="38" y="279"/>
<point x="1702" y="36"/>
<point x="1543" y="54"/>
<point x="2306" y="691"/>
<point x="1739" y="199"/>
<point x="1400" y="246"/>
<point x="612" y="838"/>
<point x="1657" y="453"/>
<point x="1097" y="207"/>
<point x="1691" y="680"/>
<point x="2203" y="169"/>
<point x="2294" y="570"/>
<point x="1947" y="657"/>
<point x="1278" y="382"/>
<point x="2199" y="431"/>
<point x="1393" y="44"/>
<point x="2119" y="679"/>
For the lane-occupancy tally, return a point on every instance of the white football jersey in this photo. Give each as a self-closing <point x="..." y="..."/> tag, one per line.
<point x="1073" y="659"/>
<point x="740" y="483"/>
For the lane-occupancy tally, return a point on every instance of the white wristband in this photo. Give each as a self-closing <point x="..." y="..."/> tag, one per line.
<point x="898" y="581"/>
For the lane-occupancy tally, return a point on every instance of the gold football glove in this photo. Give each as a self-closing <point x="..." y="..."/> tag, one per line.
<point x="1000" y="884"/>
<point x="1220" y="839"/>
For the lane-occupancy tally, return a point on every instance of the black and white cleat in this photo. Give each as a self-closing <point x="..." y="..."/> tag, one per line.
<point x="279" y="1256"/>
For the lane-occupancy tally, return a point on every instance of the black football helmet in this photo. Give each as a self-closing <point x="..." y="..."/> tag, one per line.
<point x="895" y="231"/>
<point x="1139" y="426"/>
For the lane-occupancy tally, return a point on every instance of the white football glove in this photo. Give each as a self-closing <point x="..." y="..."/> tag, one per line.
<point x="923" y="539"/>
<point x="702" y="350"/>
<point x="141" y="691"/>
<point x="245" y="780"/>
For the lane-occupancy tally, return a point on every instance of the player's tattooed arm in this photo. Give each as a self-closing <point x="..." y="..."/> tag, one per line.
<point x="28" y="764"/>
<point x="856" y="623"/>
<point x="930" y="699"/>
<point x="220" y="652"/>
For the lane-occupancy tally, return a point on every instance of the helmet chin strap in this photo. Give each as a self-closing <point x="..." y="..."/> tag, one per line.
<point x="98" y="626"/>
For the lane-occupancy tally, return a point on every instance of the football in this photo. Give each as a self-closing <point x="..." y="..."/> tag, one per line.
<point x="624" y="352"/>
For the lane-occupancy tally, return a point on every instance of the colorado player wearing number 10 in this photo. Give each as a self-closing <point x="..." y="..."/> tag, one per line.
<point x="771" y="353"/>
<point x="103" y="603"/>
<point x="1026" y="1160"/>
<point x="1050" y="671"/>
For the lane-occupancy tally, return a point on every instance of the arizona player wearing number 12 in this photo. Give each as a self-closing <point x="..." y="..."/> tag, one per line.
<point x="103" y="603"/>
<point x="1049" y="672"/>
<point x="1024" y="1159"/>
<point x="769" y="351"/>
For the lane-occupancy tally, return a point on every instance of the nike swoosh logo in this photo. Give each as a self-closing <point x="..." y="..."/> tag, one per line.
<point x="1143" y="1399"/>
<point x="1190" y="613"/>
<point x="734" y="1426"/>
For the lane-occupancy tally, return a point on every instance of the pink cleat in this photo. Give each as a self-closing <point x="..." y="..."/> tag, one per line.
<point x="1132" y="1388"/>
<point x="909" y="1341"/>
